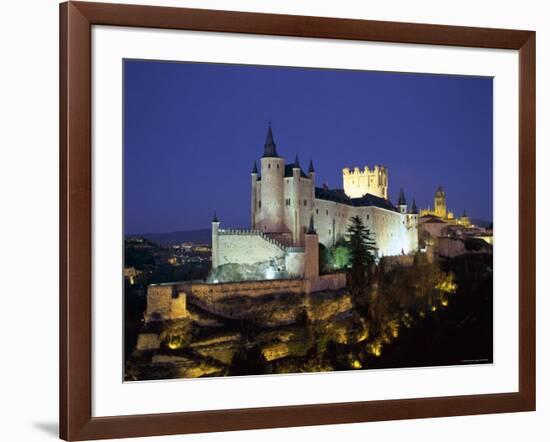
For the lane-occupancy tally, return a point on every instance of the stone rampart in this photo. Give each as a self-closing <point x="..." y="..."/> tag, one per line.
<point x="168" y="301"/>
<point x="165" y="302"/>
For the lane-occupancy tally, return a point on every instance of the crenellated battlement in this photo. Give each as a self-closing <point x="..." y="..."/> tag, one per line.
<point x="358" y="182"/>
<point x="377" y="169"/>
<point x="253" y="232"/>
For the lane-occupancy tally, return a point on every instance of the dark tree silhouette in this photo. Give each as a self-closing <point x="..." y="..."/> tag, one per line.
<point x="362" y="250"/>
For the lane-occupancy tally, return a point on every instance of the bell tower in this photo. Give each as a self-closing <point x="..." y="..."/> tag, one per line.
<point x="440" y="204"/>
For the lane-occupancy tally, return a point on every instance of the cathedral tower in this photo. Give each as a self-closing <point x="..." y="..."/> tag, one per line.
<point x="440" y="205"/>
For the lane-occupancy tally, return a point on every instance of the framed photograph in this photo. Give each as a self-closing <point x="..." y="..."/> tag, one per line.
<point x="274" y="220"/>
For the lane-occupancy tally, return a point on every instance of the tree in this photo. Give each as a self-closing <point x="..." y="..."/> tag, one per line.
<point x="362" y="253"/>
<point x="340" y="255"/>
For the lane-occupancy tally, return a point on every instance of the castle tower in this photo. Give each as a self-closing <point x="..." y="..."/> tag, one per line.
<point x="215" y="240"/>
<point x="402" y="203"/>
<point x="414" y="209"/>
<point x="270" y="204"/>
<point x="311" y="265"/>
<point x="253" y="195"/>
<point x="311" y="173"/>
<point x="440" y="205"/>
<point x="413" y="227"/>
<point x="359" y="182"/>
<point x="296" y="200"/>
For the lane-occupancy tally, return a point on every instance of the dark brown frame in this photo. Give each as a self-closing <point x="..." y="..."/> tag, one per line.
<point x="76" y="20"/>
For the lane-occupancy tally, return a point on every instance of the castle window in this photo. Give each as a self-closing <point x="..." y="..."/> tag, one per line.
<point x="277" y="166"/>
<point x="329" y="231"/>
<point x="260" y="204"/>
<point x="305" y="202"/>
<point x="327" y="212"/>
<point x="269" y="166"/>
<point x="368" y="217"/>
<point x="316" y="211"/>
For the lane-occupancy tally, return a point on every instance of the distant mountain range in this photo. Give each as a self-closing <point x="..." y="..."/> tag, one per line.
<point x="201" y="236"/>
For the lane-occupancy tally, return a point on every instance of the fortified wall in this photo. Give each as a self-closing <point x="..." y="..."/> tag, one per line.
<point x="169" y="301"/>
<point x="251" y="247"/>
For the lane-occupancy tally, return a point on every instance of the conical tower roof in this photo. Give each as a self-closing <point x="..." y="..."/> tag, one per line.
<point x="270" y="149"/>
<point x="414" y="209"/>
<point x="402" y="201"/>
<point x="311" y="228"/>
<point x="311" y="169"/>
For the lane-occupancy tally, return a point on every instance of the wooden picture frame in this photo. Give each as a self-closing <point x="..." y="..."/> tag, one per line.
<point x="76" y="421"/>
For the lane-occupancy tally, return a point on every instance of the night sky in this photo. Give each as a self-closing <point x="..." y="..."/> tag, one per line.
<point x="192" y="132"/>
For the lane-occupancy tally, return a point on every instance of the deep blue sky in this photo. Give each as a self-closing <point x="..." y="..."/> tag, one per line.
<point x="192" y="131"/>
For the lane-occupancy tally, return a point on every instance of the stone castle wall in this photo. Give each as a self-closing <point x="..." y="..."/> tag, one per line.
<point x="292" y="201"/>
<point x="393" y="232"/>
<point x="165" y="302"/>
<point x="168" y="301"/>
<point x="247" y="247"/>
<point x="295" y="261"/>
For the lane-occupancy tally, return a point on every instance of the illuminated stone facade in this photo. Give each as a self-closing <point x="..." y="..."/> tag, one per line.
<point x="289" y="213"/>
<point x="440" y="210"/>
<point x="358" y="182"/>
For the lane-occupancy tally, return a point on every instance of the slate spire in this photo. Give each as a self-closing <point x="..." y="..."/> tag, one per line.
<point x="402" y="201"/>
<point x="270" y="149"/>
<point x="255" y="168"/>
<point x="311" y="169"/>
<point x="215" y="218"/>
<point x="296" y="162"/>
<point x="311" y="228"/>
<point x="414" y="210"/>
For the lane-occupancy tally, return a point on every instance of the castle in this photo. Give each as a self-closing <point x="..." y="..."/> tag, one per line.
<point x="290" y="216"/>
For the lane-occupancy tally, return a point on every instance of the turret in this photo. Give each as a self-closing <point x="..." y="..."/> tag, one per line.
<point x="414" y="209"/>
<point x="270" y="204"/>
<point x="311" y="268"/>
<point x="311" y="170"/>
<point x="311" y="173"/>
<point x="215" y="240"/>
<point x="253" y="195"/>
<point x="402" y="203"/>
<point x="296" y="199"/>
